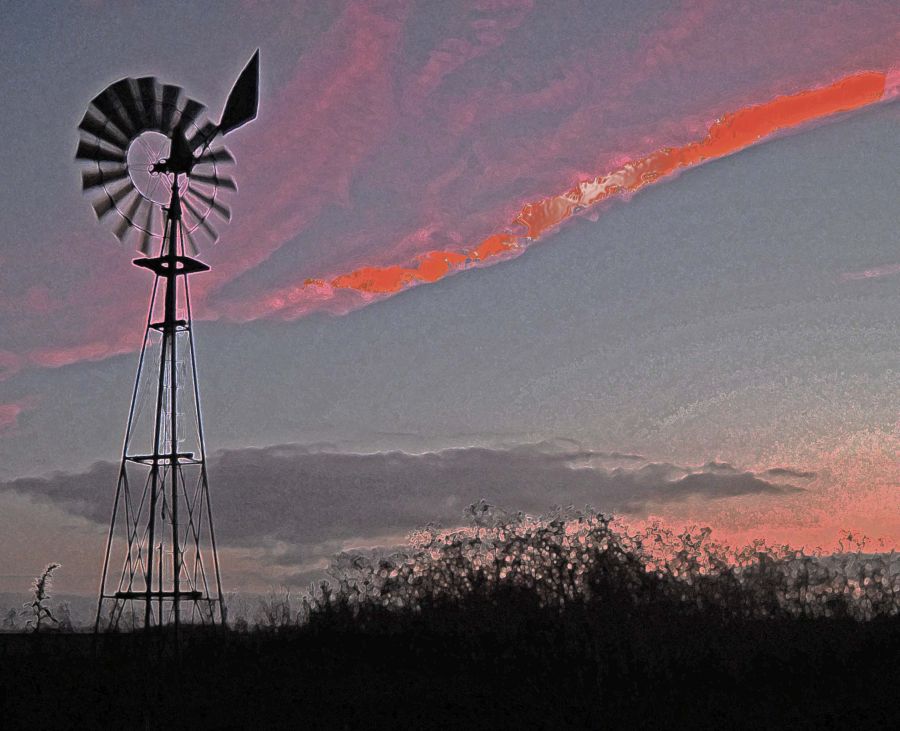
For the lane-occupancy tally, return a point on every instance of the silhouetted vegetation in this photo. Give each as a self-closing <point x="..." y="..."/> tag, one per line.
<point x="564" y="622"/>
<point x="37" y="608"/>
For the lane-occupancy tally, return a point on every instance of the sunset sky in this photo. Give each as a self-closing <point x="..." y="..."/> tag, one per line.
<point x="640" y="255"/>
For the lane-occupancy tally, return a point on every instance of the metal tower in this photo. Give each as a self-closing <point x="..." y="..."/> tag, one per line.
<point x="150" y="157"/>
<point x="162" y="511"/>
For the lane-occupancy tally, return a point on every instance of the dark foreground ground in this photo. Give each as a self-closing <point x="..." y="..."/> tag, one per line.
<point x="561" y="625"/>
<point x="478" y="664"/>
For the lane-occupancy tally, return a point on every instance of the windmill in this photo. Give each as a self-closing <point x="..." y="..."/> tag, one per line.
<point x="151" y="164"/>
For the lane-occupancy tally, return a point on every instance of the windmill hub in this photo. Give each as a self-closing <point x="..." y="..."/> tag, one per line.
<point x="171" y="165"/>
<point x="146" y="161"/>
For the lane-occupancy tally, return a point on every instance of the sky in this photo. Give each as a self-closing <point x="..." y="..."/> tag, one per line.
<point x="635" y="255"/>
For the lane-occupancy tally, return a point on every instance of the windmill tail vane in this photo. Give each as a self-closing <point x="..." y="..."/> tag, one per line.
<point x="154" y="174"/>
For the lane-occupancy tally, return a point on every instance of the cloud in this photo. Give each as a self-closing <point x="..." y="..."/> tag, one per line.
<point x="888" y="270"/>
<point x="310" y="497"/>
<point x="10" y="364"/>
<point x="408" y="143"/>
<point x="9" y="415"/>
<point x="777" y="472"/>
<point x="10" y="412"/>
<point x="730" y="133"/>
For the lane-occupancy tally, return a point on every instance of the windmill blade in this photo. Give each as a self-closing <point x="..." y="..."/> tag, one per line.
<point x="103" y="129"/>
<point x="124" y="92"/>
<point x="220" y="155"/>
<point x="89" y="150"/>
<point x="104" y="205"/>
<point x="169" y="112"/>
<point x="210" y="231"/>
<point x="214" y="205"/>
<point x="203" y="136"/>
<point x="135" y="95"/>
<point x="150" y="96"/>
<point x="220" y="182"/>
<point x="108" y="104"/>
<point x="122" y="228"/>
<point x="189" y="115"/>
<point x="147" y="234"/>
<point x="187" y="240"/>
<point x="193" y="209"/>
<point x="143" y="115"/>
<point x="203" y="223"/>
<point x="243" y="101"/>
<point x="96" y="178"/>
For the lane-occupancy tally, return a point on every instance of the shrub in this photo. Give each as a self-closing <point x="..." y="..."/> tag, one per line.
<point x="589" y="557"/>
<point x="37" y="609"/>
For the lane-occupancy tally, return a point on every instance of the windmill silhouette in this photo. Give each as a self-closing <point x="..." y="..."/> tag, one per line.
<point x="154" y="174"/>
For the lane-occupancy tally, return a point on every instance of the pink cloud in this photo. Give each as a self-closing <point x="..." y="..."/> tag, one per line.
<point x="453" y="53"/>
<point x="331" y="115"/>
<point x="91" y="351"/>
<point x="10" y="364"/>
<point x="373" y="156"/>
<point x="888" y="270"/>
<point x="10" y="412"/>
<point x="730" y="133"/>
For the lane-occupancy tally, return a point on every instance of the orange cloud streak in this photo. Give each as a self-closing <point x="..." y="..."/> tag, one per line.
<point x="731" y="133"/>
<point x="727" y="135"/>
<point x="429" y="267"/>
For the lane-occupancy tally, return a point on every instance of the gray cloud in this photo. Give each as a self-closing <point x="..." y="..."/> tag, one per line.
<point x="778" y="472"/>
<point x="316" y="496"/>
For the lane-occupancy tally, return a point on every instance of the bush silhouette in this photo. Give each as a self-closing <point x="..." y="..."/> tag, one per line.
<point x="584" y="557"/>
<point x="570" y="621"/>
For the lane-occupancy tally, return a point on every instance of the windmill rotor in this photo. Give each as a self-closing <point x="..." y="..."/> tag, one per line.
<point x="143" y="142"/>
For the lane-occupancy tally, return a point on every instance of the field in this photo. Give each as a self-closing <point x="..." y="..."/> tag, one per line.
<point x="566" y="624"/>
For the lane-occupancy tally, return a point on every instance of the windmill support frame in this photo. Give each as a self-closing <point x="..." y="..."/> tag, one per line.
<point x="168" y="451"/>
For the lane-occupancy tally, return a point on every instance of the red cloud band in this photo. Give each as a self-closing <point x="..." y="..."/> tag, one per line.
<point x="728" y="134"/>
